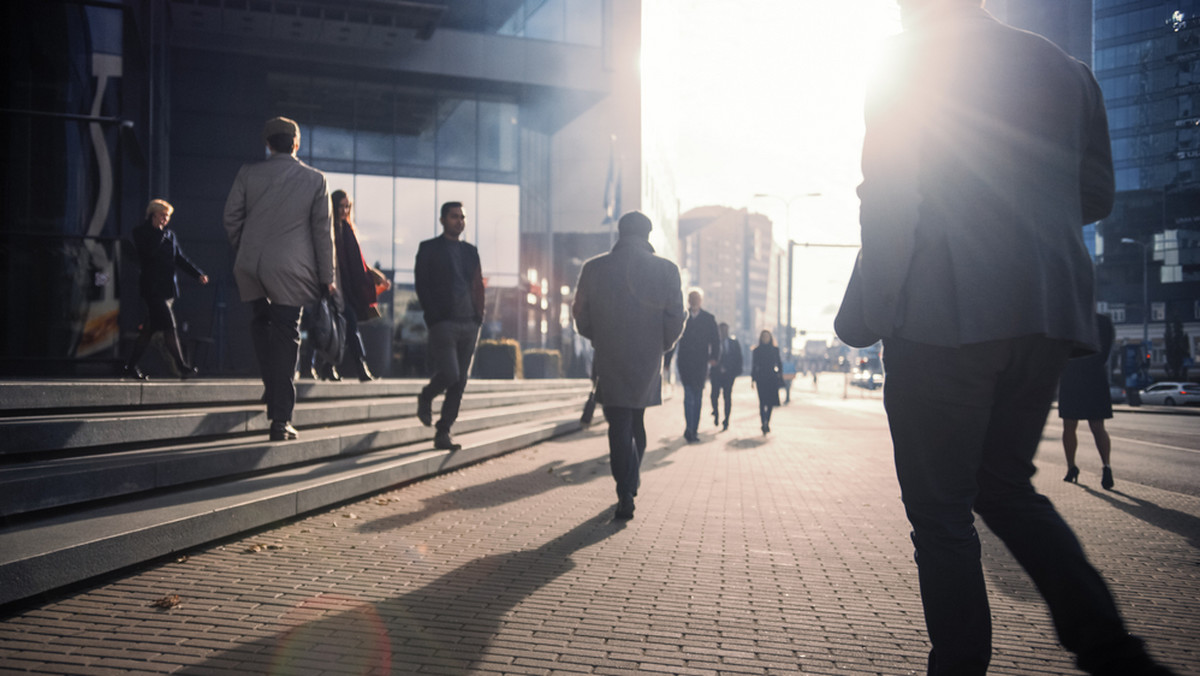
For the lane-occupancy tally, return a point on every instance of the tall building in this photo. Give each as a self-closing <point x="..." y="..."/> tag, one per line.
<point x="527" y="111"/>
<point x="1147" y="59"/>
<point x="731" y="255"/>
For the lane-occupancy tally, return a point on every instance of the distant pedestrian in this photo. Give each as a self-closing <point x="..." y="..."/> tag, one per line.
<point x="159" y="255"/>
<point x="986" y="151"/>
<point x="697" y="351"/>
<point x="789" y="376"/>
<point x="628" y="302"/>
<point x="765" y="376"/>
<point x="357" y="282"/>
<point x="1083" y="394"/>
<point x="726" y="370"/>
<point x="279" y="224"/>
<point x="449" y="281"/>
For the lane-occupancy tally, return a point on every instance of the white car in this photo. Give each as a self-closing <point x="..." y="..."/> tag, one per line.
<point x="1170" y="394"/>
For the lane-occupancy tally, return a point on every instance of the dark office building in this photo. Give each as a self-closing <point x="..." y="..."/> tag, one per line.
<point x="1147" y="58"/>
<point x="523" y="110"/>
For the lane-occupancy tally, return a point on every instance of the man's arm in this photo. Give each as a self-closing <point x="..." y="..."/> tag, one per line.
<point x="421" y="281"/>
<point x="1097" y="189"/>
<point x="673" y="313"/>
<point x="581" y="307"/>
<point x="478" y="296"/>
<point x="235" y="211"/>
<point x="320" y="219"/>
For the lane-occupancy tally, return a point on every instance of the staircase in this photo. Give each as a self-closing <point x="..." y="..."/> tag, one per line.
<point x="97" y="476"/>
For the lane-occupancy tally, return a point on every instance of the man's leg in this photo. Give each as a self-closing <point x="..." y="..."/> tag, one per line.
<point x="639" y="443"/>
<point x="623" y="455"/>
<point x="715" y="397"/>
<point x="727" y="389"/>
<point x="691" y="409"/>
<point x="938" y="402"/>
<point x="1081" y="605"/>
<point x="283" y="346"/>
<point x="260" y="329"/>
<point x="463" y="338"/>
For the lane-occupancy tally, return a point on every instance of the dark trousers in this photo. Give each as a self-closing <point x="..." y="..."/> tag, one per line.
<point x="626" y="447"/>
<point x="451" y="346"/>
<point x="691" y="407"/>
<point x="720" y="387"/>
<point x="965" y="424"/>
<point x="275" y="332"/>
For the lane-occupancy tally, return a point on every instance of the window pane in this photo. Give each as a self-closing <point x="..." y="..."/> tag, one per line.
<point x="546" y="22"/>
<point x="456" y="134"/>
<point x="414" y="126"/>
<point x="497" y="136"/>
<point x="373" y="206"/>
<point x="585" y="22"/>
<point x="498" y="233"/>
<point x="416" y="220"/>
<point x="331" y="143"/>
<point x="370" y="146"/>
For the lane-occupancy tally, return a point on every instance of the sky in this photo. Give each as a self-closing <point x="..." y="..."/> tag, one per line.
<point x="767" y="98"/>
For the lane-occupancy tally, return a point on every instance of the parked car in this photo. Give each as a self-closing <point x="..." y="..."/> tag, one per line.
<point x="868" y="374"/>
<point x="1170" y="394"/>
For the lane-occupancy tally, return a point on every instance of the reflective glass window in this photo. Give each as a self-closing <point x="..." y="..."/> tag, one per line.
<point x="547" y="22"/>
<point x="498" y="136"/>
<point x="456" y="134"/>
<point x="331" y="143"/>
<point x="416" y="214"/>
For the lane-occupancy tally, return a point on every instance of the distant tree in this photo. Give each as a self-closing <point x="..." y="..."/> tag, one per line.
<point x="1176" y="344"/>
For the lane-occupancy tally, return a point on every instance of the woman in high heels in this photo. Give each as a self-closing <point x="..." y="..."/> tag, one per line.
<point x="765" y="370"/>
<point x="1083" y="395"/>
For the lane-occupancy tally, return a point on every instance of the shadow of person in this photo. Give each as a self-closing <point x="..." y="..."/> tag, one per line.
<point x="745" y="443"/>
<point x="448" y="624"/>
<point x="1164" y="518"/>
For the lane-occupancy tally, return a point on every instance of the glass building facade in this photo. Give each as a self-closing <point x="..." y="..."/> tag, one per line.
<point x="1147" y="59"/>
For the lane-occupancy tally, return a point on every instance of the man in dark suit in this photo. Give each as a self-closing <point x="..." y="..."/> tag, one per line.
<point x="986" y="151"/>
<point x="449" y="282"/>
<point x="698" y="349"/>
<point x="726" y="370"/>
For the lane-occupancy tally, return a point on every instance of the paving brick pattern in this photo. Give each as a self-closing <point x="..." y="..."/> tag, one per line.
<point x="785" y="554"/>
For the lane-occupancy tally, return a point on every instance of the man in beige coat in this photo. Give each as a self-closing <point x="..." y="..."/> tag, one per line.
<point x="279" y="221"/>
<point x="629" y="303"/>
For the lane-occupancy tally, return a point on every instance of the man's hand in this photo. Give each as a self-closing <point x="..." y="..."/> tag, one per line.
<point x="204" y="279"/>
<point x="332" y="288"/>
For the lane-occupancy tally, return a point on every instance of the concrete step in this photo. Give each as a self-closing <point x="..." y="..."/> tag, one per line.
<point x="64" y="430"/>
<point x="40" y="555"/>
<point x="54" y="483"/>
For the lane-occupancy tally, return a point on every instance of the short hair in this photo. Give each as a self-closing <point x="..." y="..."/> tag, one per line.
<point x="696" y="290"/>
<point x="634" y="223"/>
<point x="448" y="206"/>
<point x="282" y="143"/>
<point x="156" y="206"/>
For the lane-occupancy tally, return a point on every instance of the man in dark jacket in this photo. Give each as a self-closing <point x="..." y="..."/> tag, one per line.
<point x="697" y="351"/>
<point x="449" y="281"/>
<point x="628" y="302"/>
<point x="986" y="151"/>
<point x="726" y="370"/>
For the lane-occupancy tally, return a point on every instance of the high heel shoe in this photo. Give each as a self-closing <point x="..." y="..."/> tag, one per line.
<point x="1106" y="479"/>
<point x="364" y="373"/>
<point x="133" y="372"/>
<point x="1072" y="474"/>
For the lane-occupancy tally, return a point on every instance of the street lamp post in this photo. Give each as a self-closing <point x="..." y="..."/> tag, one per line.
<point x="791" y="245"/>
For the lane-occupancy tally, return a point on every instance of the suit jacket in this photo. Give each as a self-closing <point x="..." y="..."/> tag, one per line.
<point x="280" y="224"/>
<point x="629" y="303"/>
<point x="159" y="255"/>
<point x="986" y="151"/>
<point x="433" y="275"/>
<point x="729" y="365"/>
<point x="699" y="344"/>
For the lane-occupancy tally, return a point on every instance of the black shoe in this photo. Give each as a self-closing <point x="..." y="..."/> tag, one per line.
<point x="282" y="430"/>
<point x="624" y="510"/>
<point x="133" y="372"/>
<point x="329" y="372"/>
<point x="1106" y="479"/>
<point x="424" y="410"/>
<point x="765" y="429"/>
<point x="725" y="425"/>
<point x="716" y="420"/>
<point x="1072" y="474"/>
<point x="364" y="373"/>
<point x="309" y="373"/>
<point x="186" y="372"/>
<point x="443" y="442"/>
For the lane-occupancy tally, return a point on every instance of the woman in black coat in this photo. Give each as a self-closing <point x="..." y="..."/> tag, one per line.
<point x="765" y="370"/>
<point x="1083" y="395"/>
<point x="159" y="255"/>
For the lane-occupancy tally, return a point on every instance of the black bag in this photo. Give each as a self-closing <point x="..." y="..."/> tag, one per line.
<point x="589" y="406"/>
<point x="327" y="331"/>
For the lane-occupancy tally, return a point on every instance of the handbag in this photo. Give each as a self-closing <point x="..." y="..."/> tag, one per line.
<point x="328" y="330"/>
<point x="850" y="324"/>
<point x="589" y="406"/>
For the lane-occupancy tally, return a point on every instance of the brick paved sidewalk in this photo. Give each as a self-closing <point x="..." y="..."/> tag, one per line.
<point x="749" y="555"/>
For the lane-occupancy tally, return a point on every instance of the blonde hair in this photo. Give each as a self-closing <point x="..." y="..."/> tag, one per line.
<point x="156" y="206"/>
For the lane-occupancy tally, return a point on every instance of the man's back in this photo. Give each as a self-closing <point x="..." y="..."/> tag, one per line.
<point x="1007" y="145"/>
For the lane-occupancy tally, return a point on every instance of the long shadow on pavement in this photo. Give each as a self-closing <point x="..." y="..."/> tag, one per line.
<point x="494" y="493"/>
<point x="1164" y="518"/>
<point x="447" y="625"/>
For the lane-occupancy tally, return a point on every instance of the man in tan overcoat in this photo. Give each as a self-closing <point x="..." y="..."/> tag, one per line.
<point x="629" y="303"/>
<point x="280" y="225"/>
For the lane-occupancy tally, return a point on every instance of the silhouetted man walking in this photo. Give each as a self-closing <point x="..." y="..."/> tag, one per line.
<point x="628" y="302"/>
<point x="726" y="370"/>
<point x="986" y="152"/>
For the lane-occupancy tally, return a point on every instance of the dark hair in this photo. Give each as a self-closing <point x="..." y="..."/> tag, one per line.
<point x="282" y="143"/>
<point x="448" y="206"/>
<point x="634" y="223"/>
<point x="335" y="197"/>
